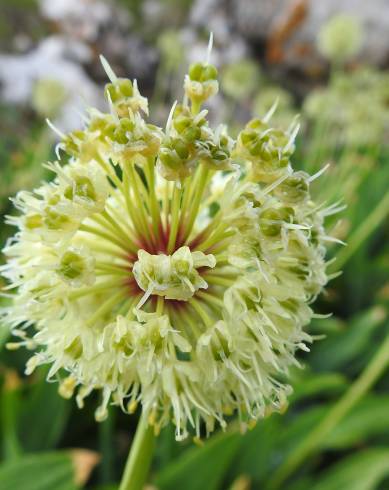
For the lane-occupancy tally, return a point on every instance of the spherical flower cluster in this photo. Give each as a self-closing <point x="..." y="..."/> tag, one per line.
<point x="172" y="269"/>
<point x="340" y="38"/>
<point x="240" y="79"/>
<point x="353" y="108"/>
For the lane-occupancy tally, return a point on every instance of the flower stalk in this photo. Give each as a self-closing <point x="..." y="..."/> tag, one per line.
<point x="139" y="458"/>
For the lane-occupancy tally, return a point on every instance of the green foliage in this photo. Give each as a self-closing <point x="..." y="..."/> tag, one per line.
<point x="42" y="398"/>
<point x="41" y="471"/>
<point x="186" y="473"/>
<point x="366" y="422"/>
<point x="361" y="471"/>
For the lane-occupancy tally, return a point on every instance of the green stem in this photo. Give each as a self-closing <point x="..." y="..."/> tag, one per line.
<point x="106" y="445"/>
<point x="175" y="213"/>
<point x="363" y="231"/>
<point x="141" y="211"/>
<point x="196" y="203"/>
<point x="139" y="458"/>
<point x="314" y="439"/>
<point x="154" y="205"/>
<point x="196" y="106"/>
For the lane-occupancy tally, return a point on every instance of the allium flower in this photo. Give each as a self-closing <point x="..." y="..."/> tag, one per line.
<point x="240" y="79"/>
<point x="340" y="38"/>
<point x="173" y="269"/>
<point x="353" y="107"/>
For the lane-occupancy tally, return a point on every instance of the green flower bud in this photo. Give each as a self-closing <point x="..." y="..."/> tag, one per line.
<point x="55" y="220"/>
<point x="209" y="73"/>
<point x="125" y="97"/>
<point x="175" y="276"/>
<point x="76" y="267"/>
<point x="269" y="150"/>
<point x="125" y="87"/>
<point x="71" y="265"/>
<point x="196" y="71"/>
<point x="102" y="127"/>
<point x="271" y="222"/>
<point x="74" y="350"/>
<point x="83" y="189"/>
<point x="201" y="83"/>
<point x="33" y="221"/>
<point x="111" y="92"/>
<point x="294" y="189"/>
<point x="133" y="137"/>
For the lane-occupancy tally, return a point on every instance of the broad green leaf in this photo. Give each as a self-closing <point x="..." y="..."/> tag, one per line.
<point x="10" y="402"/>
<point x="201" y="467"/>
<point x="367" y="419"/>
<point x="303" y="483"/>
<point x="43" y="398"/>
<point x="340" y="349"/>
<point x="256" y="453"/>
<point x="361" y="471"/>
<point x="107" y="447"/>
<point x="45" y="471"/>
<point x="106" y="487"/>
<point x="57" y="470"/>
<point x="268" y="444"/>
<point x="314" y="384"/>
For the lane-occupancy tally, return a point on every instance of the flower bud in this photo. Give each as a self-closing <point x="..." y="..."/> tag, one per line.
<point x="272" y="219"/>
<point x="201" y="83"/>
<point x="172" y="276"/>
<point x="76" y="267"/>
<point x="293" y="189"/>
<point x="133" y="137"/>
<point x="268" y="150"/>
<point x="125" y="97"/>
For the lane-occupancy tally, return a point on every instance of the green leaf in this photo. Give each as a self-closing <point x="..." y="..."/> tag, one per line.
<point x="106" y="487"/>
<point x="45" y="471"/>
<point x="42" y="399"/>
<point x="271" y="441"/>
<point x="338" y="350"/>
<point x="201" y="467"/>
<point x="361" y="471"/>
<point x="313" y="384"/>
<point x="368" y="419"/>
<point x="10" y="403"/>
<point x="256" y="453"/>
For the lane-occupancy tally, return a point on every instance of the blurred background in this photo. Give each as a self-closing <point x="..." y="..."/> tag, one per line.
<point x="326" y="61"/>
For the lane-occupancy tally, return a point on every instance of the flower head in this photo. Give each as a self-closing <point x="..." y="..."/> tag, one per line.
<point x="340" y="38"/>
<point x="240" y="79"/>
<point x="172" y="269"/>
<point x="353" y="107"/>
